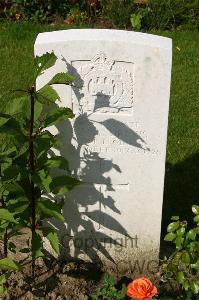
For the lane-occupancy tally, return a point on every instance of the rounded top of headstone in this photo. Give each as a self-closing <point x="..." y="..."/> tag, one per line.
<point x="104" y="35"/>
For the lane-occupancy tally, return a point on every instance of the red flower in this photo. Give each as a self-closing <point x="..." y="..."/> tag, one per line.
<point x="141" y="289"/>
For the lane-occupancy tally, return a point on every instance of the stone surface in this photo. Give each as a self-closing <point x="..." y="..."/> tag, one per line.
<point x="117" y="142"/>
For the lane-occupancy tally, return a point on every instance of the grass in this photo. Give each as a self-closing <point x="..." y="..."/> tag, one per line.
<point x="182" y="166"/>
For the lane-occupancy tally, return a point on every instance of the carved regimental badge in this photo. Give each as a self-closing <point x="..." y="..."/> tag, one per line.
<point x="106" y="85"/>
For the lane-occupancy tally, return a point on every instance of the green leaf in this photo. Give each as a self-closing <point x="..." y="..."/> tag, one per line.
<point x="196" y="219"/>
<point x="45" y="61"/>
<point x="4" y="118"/>
<point x="18" y="205"/>
<point x="181" y="231"/>
<point x="15" y="189"/>
<point x="176" y="260"/>
<point x="9" y="264"/>
<point x="193" y="246"/>
<point x="13" y="129"/>
<point x="63" y="184"/>
<point x="3" y="278"/>
<point x="5" y="163"/>
<point x="57" y="115"/>
<point x="185" y="257"/>
<point x="186" y="285"/>
<point x="38" y="110"/>
<point x="25" y="109"/>
<point x="19" y="107"/>
<point x="62" y="78"/>
<point x="22" y="151"/>
<point x="7" y="99"/>
<point x="11" y="173"/>
<point x="191" y="234"/>
<point x="3" y="290"/>
<point x="44" y="142"/>
<point x="180" y="277"/>
<point x="47" y="95"/>
<point x="6" y="215"/>
<point x="179" y="241"/>
<point x="43" y="180"/>
<point x="136" y="21"/>
<point x="57" y="162"/>
<point x="52" y="236"/>
<point x="195" y="286"/>
<point x="173" y="226"/>
<point x="50" y="209"/>
<point x="10" y="152"/>
<point x="170" y="237"/>
<point x="196" y="265"/>
<point x="195" y="209"/>
<point x="37" y="246"/>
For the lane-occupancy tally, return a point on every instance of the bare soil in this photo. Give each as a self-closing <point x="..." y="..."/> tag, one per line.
<point x="58" y="280"/>
<point x="54" y="281"/>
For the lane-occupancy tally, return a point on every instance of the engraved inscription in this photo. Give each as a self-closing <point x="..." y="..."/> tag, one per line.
<point x="106" y="85"/>
<point x="87" y="149"/>
<point x="128" y="139"/>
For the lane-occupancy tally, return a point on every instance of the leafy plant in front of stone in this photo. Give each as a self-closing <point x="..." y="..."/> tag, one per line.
<point x="108" y="290"/>
<point x="8" y="222"/>
<point x="182" y="267"/>
<point x="28" y="173"/>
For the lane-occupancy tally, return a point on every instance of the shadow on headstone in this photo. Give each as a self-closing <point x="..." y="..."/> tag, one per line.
<point x="83" y="210"/>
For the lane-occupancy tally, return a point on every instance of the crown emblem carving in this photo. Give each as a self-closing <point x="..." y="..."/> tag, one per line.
<point x="106" y="86"/>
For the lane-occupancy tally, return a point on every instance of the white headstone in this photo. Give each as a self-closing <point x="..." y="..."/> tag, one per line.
<point x="117" y="142"/>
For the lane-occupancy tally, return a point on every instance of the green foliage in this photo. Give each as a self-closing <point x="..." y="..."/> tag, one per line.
<point x="3" y="280"/>
<point x="62" y="78"/>
<point x="167" y="14"/>
<point x="34" y="10"/>
<point x="52" y="236"/>
<point x="108" y="290"/>
<point x="44" y="10"/>
<point x="9" y="264"/>
<point x="118" y="11"/>
<point x="57" y="114"/>
<point x="26" y="168"/>
<point x="49" y="209"/>
<point x="44" y="62"/>
<point x="141" y="14"/>
<point x="182" y="266"/>
<point x="136" y="18"/>
<point x="76" y="16"/>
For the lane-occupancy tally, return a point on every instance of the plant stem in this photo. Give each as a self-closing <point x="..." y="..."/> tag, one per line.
<point x="5" y="236"/>
<point x="5" y="243"/>
<point x="32" y="169"/>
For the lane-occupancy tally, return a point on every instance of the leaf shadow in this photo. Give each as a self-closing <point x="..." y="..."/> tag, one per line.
<point x="90" y="209"/>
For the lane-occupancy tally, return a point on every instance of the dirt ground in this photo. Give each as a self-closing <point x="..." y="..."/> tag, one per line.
<point x="58" y="280"/>
<point x="54" y="281"/>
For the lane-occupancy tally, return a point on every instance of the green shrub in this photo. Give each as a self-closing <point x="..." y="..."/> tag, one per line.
<point x="168" y="14"/>
<point x="45" y="10"/>
<point x="108" y="290"/>
<point x="35" y="10"/>
<point x="142" y="14"/>
<point x="182" y="267"/>
<point x="26" y="170"/>
<point x="118" y="11"/>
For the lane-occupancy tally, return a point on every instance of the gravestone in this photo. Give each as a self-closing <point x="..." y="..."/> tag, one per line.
<point x="116" y="144"/>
